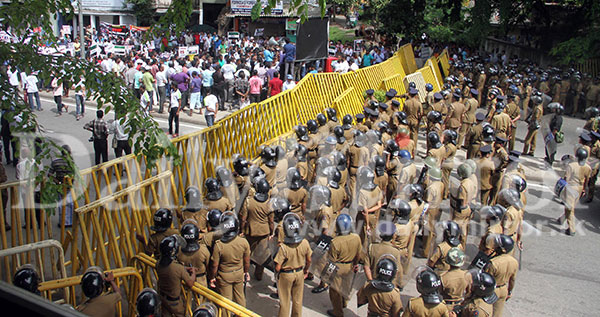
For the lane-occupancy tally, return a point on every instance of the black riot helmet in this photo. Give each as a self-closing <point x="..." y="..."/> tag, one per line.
<point x="268" y="156"/>
<point x="293" y="178"/>
<point x="279" y="152"/>
<point x="519" y="183"/>
<point x="224" y="176"/>
<point x="213" y="218"/>
<point x="302" y="133"/>
<point x="190" y="234"/>
<point x="392" y="147"/>
<point x="402" y="117"/>
<point x="503" y="244"/>
<point x="484" y="286"/>
<point x="360" y="139"/>
<point x="193" y="199"/>
<point x="27" y="278"/>
<point x="510" y="197"/>
<point x="383" y="126"/>
<point x="213" y="189"/>
<point x="428" y="285"/>
<point x="301" y="153"/>
<point x="320" y="195"/>
<point x="312" y="126"/>
<point x="378" y="165"/>
<point x="415" y="192"/>
<point x="347" y="122"/>
<point x="331" y="114"/>
<point x="333" y="176"/>
<point x="373" y="136"/>
<point x="343" y="224"/>
<point x="401" y="209"/>
<point x="434" y="140"/>
<point x="230" y="226"/>
<point x="206" y="310"/>
<point x="162" y="220"/>
<point x="340" y="160"/>
<point x="280" y="207"/>
<point x="262" y="188"/>
<point x="339" y="134"/>
<point x="240" y="165"/>
<point x="450" y="136"/>
<point x="92" y="282"/>
<point x="168" y="247"/>
<point x="452" y="233"/>
<point x="321" y="119"/>
<point x="366" y="177"/>
<point x="488" y="133"/>
<point x="385" y="273"/>
<point x="292" y="228"/>
<point x="581" y="154"/>
<point x="147" y="303"/>
<point x="434" y="116"/>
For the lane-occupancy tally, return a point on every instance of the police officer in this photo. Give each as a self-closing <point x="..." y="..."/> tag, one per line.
<point x="414" y="111"/>
<point x="344" y="252"/>
<point x="214" y="199"/>
<point x="493" y="217"/>
<point x="577" y="176"/>
<point x="408" y="174"/>
<point x="281" y="168"/>
<point x="503" y="267"/>
<point x="377" y="164"/>
<point x="230" y="261"/>
<point x="358" y="155"/>
<point x="405" y="142"/>
<point x="486" y="168"/>
<point x="455" y="113"/>
<point x="194" y="254"/>
<point x="360" y="125"/>
<point x="430" y="303"/>
<point x="193" y="200"/>
<point x="500" y="121"/>
<point x="370" y="201"/>
<point x="320" y="205"/>
<point x="471" y="105"/>
<point x="475" y="137"/>
<point x="162" y="228"/>
<point x="450" y="147"/>
<point x="229" y="187"/>
<point x="433" y="196"/>
<point x="268" y="164"/>
<point x="510" y="199"/>
<point x="369" y="97"/>
<point x="375" y="251"/>
<point x="347" y="127"/>
<point x="241" y="169"/>
<point x="92" y="285"/>
<point x="455" y="282"/>
<point x="332" y="120"/>
<point x="323" y="129"/>
<point x="295" y="193"/>
<point x="404" y="228"/>
<point x="534" y="124"/>
<point x="214" y="233"/>
<point x="292" y="263"/>
<point x="256" y="218"/>
<point x="170" y="275"/>
<point x="500" y="159"/>
<point x="381" y="295"/>
<point x="437" y="151"/>
<point x="393" y="168"/>
<point x="341" y="145"/>
<point x="514" y="112"/>
<point x="206" y="310"/>
<point x="27" y="278"/>
<point x="147" y="303"/>
<point x="451" y="235"/>
<point x="339" y="198"/>
<point x="482" y="297"/>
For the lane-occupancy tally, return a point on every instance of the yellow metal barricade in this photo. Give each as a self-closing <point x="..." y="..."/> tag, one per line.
<point x="445" y="61"/>
<point x="127" y="277"/>
<point x="146" y="264"/>
<point x="433" y="64"/>
<point x="429" y="77"/>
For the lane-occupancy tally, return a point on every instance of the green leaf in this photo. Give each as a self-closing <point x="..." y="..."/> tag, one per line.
<point x="256" y="9"/>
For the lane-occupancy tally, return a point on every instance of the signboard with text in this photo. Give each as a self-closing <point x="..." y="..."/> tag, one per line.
<point x="245" y="7"/>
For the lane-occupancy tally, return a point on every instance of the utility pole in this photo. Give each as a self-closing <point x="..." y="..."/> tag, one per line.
<point x="81" y="30"/>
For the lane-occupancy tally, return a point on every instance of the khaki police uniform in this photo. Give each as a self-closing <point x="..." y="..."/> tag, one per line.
<point x="500" y="159"/>
<point x="501" y="123"/>
<point x="576" y="177"/>
<point x="408" y="175"/>
<point x="511" y="224"/>
<point x="480" y="85"/>
<point x="169" y="288"/>
<point x="439" y="154"/>
<point x="375" y="251"/>
<point x="494" y="229"/>
<point x="565" y="86"/>
<point x="578" y="91"/>
<point x="257" y="225"/>
<point x="401" y="241"/>
<point x="592" y="95"/>
<point x="302" y="167"/>
<point x="448" y="166"/>
<point x="290" y="282"/>
<point x="393" y="168"/>
<point x="198" y="260"/>
<point x="437" y="260"/>
<point x="325" y="220"/>
<point x="368" y="199"/>
<point x="504" y="270"/>
<point x="513" y="111"/>
<point x="475" y="138"/>
<point x="455" y="114"/>
<point x="530" y="139"/>
<point x="454" y="286"/>
<point x="297" y="199"/>
<point x="151" y="248"/>
<point x="414" y="110"/>
<point x="384" y="304"/>
<point x="229" y="258"/>
<point x="433" y="196"/>
<point x="270" y="174"/>
<point x="461" y="209"/>
<point x="101" y="306"/>
<point x="417" y="308"/>
<point x="338" y="198"/>
<point x="486" y="168"/>
<point x="477" y="307"/>
<point x="344" y="252"/>
<point x="357" y="157"/>
<point x="313" y="141"/>
<point x="471" y="106"/>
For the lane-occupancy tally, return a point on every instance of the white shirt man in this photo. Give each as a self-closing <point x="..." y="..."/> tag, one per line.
<point x="342" y="66"/>
<point x="161" y="78"/>
<point x="31" y="83"/>
<point x="289" y="83"/>
<point x="107" y="65"/>
<point x="228" y="71"/>
<point x="13" y="77"/>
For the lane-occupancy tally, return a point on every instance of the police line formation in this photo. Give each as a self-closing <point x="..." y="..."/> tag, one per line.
<point x="343" y="202"/>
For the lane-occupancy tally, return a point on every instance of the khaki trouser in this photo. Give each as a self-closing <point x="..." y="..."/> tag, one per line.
<point x="341" y="281"/>
<point x="465" y="129"/>
<point x="511" y="142"/>
<point x="172" y="308"/>
<point x="411" y="248"/>
<point x="232" y="291"/>
<point x="485" y="196"/>
<point x="473" y="150"/>
<point x="414" y="132"/>
<point x="433" y="216"/>
<point x="290" y="287"/>
<point x="496" y="182"/>
<point x="502" y="293"/>
<point x="446" y="171"/>
<point x="254" y="242"/>
<point x="462" y="218"/>
<point x="530" y="141"/>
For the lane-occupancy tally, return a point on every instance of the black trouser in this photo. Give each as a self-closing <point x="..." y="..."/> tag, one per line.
<point x="8" y="142"/>
<point x="173" y="116"/>
<point x="122" y="146"/>
<point x="254" y="98"/>
<point x="185" y="100"/>
<point x="59" y="104"/>
<point x="220" y="93"/>
<point x="101" y="149"/>
<point x="162" y="93"/>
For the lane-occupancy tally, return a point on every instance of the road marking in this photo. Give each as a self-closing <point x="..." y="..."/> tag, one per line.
<point x="200" y="126"/>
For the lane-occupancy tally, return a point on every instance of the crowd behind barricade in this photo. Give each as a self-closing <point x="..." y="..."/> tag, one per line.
<point x="344" y="202"/>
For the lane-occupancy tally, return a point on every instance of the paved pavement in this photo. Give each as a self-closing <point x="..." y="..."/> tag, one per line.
<point x="558" y="275"/>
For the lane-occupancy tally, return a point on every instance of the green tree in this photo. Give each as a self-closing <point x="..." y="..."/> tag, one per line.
<point x="108" y="90"/>
<point x="144" y="11"/>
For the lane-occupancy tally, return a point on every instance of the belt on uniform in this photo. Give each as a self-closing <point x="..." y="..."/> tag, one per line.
<point x="453" y="301"/>
<point x="201" y="274"/>
<point x="169" y="297"/>
<point x="312" y="150"/>
<point x="231" y="271"/>
<point x="498" y="286"/>
<point x="348" y="262"/>
<point x="352" y="166"/>
<point x="292" y="270"/>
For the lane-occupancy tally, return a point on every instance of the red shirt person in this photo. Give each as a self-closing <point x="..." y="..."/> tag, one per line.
<point x="275" y="85"/>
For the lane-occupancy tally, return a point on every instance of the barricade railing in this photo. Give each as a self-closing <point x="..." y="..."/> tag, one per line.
<point x="445" y="62"/>
<point x="194" y="296"/>
<point x="126" y="277"/>
<point x="56" y="265"/>
<point x="434" y="64"/>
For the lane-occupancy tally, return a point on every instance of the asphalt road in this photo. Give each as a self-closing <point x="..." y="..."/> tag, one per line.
<point x="558" y="273"/>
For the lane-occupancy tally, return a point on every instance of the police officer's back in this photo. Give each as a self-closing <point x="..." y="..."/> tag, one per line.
<point x="380" y="293"/>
